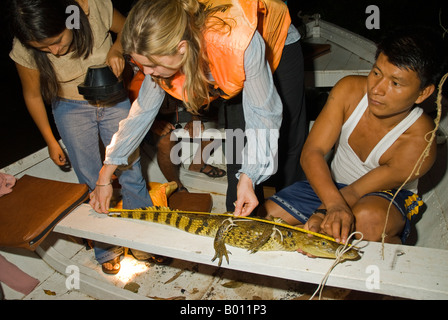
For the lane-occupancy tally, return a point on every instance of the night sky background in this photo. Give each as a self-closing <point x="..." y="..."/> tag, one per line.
<point x="20" y="137"/>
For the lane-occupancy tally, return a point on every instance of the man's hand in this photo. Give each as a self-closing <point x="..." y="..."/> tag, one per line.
<point x="161" y="127"/>
<point x="246" y="199"/>
<point x="313" y="224"/>
<point x="338" y="223"/>
<point x="194" y="127"/>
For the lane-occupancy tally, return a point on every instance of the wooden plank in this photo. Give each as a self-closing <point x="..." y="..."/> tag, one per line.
<point x="409" y="272"/>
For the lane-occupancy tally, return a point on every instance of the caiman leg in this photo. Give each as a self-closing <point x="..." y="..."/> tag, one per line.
<point x="268" y="232"/>
<point x="219" y="242"/>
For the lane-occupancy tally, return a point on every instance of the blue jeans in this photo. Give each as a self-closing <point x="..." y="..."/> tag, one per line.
<point x="81" y="125"/>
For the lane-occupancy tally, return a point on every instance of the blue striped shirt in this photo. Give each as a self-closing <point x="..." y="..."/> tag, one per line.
<point x="262" y="112"/>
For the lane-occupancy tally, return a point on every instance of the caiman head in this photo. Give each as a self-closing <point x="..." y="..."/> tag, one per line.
<point x="323" y="248"/>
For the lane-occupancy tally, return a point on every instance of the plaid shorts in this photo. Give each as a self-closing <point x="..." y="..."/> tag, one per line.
<point x="300" y="201"/>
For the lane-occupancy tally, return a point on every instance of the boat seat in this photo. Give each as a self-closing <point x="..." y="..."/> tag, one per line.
<point x="189" y="201"/>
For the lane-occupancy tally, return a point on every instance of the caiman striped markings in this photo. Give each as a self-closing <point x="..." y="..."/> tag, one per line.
<point x="201" y="227"/>
<point x="250" y="233"/>
<point x="143" y="216"/>
<point x="197" y="225"/>
<point x="188" y="222"/>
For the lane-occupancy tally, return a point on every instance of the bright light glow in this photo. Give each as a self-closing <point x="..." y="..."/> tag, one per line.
<point x="130" y="268"/>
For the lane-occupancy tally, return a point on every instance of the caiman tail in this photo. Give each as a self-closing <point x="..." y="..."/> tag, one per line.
<point x="248" y="233"/>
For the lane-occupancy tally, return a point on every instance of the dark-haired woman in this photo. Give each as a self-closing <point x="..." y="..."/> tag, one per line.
<point x="52" y="58"/>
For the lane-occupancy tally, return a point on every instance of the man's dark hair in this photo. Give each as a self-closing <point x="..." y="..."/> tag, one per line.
<point x="419" y="49"/>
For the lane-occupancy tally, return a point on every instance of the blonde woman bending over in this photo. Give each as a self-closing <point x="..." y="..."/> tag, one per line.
<point x="199" y="51"/>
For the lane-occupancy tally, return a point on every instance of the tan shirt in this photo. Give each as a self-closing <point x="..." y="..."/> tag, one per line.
<point x="71" y="72"/>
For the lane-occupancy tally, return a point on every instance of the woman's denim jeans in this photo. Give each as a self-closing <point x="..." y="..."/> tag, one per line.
<point x="81" y="125"/>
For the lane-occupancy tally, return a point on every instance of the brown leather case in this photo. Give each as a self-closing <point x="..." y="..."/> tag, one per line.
<point x="34" y="207"/>
<point x="188" y="201"/>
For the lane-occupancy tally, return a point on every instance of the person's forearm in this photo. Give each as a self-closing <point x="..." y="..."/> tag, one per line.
<point x="339" y="219"/>
<point x="116" y="46"/>
<point x="36" y="108"/>
<point x="105" y="175"/>
<point x="319" y="176"/>
<point x="262" y="113"/>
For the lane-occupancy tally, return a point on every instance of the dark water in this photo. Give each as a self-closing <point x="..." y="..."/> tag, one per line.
<point x="20" y="137"/>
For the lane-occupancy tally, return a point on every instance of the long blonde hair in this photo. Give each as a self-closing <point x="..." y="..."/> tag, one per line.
<point x="156" y="27"/>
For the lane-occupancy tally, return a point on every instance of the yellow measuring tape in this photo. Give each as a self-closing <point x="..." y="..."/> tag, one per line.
<point x="166" y="209"/>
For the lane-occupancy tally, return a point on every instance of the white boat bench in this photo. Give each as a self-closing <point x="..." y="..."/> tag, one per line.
<point x="406" y="271"/>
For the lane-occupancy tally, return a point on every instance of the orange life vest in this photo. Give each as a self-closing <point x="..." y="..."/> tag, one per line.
<point x="136" y="82"/>
<point x="226" y="49"/>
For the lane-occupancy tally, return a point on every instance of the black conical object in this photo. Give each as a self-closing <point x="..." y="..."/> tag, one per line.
<point x="101" y="84"/>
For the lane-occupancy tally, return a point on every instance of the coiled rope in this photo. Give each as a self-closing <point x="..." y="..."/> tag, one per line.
<point x="339" y="254"/>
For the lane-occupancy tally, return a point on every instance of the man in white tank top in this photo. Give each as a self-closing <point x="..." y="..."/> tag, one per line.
<point x="379" y="134"/>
